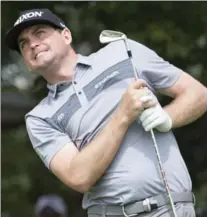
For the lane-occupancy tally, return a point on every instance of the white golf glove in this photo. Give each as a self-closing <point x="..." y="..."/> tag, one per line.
<point x="155" y="117"/>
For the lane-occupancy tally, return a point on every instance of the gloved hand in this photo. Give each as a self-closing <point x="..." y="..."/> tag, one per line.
<point x="155" y="117"/>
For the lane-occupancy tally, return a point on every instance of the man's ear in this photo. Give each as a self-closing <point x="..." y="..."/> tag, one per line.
<point x="67" y="35"/>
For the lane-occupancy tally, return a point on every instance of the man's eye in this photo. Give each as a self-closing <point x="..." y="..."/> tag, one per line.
<point x="40" y="33"/>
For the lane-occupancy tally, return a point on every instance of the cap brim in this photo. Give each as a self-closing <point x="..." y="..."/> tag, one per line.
<point x="13" y="34"/>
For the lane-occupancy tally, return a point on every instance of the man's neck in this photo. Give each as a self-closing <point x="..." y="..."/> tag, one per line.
<point x="64" y="71"/>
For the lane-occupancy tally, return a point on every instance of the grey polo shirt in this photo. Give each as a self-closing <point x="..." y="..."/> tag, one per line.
<point x="75" y="111"/>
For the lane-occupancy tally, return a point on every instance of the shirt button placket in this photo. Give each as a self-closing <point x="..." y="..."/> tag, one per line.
<point x="80" y="94"/>
<point x="75" y="87"/>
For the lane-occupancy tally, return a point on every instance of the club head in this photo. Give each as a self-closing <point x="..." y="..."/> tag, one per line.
<point x="108" y="36"/>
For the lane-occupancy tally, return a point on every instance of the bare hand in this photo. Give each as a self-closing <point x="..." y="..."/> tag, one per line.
<point x="131" y="106"/>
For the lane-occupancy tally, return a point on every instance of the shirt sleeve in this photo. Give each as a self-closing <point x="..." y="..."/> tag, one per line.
<point x="152" y="68"/>
<point x="45" y="139"/>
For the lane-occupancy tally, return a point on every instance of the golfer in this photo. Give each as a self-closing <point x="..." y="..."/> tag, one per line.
<point x="92" y="129"/>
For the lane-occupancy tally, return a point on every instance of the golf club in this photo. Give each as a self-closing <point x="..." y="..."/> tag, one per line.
<point x="108" y="36"/>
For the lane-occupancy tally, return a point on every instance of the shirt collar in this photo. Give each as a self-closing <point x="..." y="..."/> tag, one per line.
<point x="84" y="60"/>
<point x="54" y="88"/>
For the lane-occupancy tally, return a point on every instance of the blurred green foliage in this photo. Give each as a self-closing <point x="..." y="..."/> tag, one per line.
<point x="175" y="30"/>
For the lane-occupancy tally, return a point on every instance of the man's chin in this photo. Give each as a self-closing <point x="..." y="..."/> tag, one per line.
<point x="41" y="67"/>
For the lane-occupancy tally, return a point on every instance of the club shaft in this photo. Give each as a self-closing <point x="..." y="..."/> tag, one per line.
<point x="129" y="52"/>
<point x="163" y="174"/>
<point x="154" y="142"/>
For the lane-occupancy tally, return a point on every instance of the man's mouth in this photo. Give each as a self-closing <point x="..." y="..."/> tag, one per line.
<point x="39" y="54"/>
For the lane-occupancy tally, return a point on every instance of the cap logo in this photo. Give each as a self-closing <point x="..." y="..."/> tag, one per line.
<point x="63" y="25"/>
<point x="27" y="16"/>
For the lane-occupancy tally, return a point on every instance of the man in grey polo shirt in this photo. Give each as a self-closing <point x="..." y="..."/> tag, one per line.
<point x="92" y="129"/>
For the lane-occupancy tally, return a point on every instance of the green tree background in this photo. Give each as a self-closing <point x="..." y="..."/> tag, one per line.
<point x="175" y="30"/>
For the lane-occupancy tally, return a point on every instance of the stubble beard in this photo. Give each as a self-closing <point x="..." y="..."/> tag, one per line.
<point x="47" y="65"/>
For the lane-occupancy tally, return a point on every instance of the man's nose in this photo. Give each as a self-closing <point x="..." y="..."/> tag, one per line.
<point x="34" y="43"/>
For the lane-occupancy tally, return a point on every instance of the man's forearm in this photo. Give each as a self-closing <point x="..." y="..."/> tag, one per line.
<point x="89" y="165"/>
<point x="187" y="107"/>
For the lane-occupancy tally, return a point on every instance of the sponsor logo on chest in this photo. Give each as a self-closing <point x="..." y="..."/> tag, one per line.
<point x="103" y="81"/>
